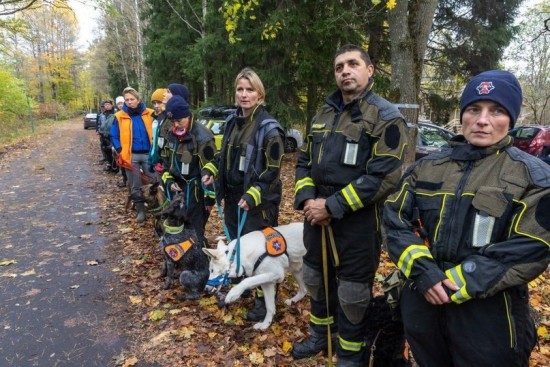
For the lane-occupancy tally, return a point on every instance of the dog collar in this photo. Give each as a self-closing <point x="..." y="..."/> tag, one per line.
<point x="172" y="230"/>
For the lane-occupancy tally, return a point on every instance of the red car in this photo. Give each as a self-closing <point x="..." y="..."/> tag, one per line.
<point x="531" y="138"/>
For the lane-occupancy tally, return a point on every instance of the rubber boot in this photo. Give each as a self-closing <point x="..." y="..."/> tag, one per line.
<point x="312" y="345"/>
<point x="259" y="311"/>
<point x="140" y="207"/>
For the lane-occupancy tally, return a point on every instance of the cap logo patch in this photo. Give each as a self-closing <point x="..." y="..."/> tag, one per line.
<point x="485" y="87"/>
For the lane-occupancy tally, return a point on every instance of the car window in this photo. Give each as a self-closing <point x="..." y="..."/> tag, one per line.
<point x="527" y="132"/>
<point x="217" y="127"/>
<point x="433" y="137"/>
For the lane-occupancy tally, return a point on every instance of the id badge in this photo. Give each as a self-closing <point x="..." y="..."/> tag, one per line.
<point x="483" y="229"/>
<point x="184" y="168"/>
<point x="161" y="142"/>
<point x="241" y="163"/>
<point x="350" y="154"/>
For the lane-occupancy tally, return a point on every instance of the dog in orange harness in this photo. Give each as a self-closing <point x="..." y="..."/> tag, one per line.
<point x="263" y="258"/>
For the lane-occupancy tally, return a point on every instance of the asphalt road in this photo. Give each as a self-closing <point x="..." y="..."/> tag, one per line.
<point x="56" y="278"/>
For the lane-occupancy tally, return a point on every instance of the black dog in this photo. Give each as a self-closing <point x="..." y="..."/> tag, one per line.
<point x="385" y="336"/>
<point x="181" y="249"/>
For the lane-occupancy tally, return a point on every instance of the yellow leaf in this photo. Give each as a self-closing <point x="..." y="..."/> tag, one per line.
<point x="27" y="273"/>
<point x="91" y="263"/>
<point x="115" y="270"/>
<point x="8" y="275"/>
<point x="135" y="300"/>
<point x="156" y="315"/>
<point x="132" y="361"/>
<point x="212" y="335"/>
<point x="185" y="332"/>
<point x="287" y="346"/>
<point x="175" y="311"/>
<point x="542" y="331"/>
<point x="256" y="358"/>
<point x="7" y="262"/>
<point x="390" y="4"/>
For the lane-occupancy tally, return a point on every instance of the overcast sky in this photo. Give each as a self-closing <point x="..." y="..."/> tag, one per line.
<point x="88" y="17"/>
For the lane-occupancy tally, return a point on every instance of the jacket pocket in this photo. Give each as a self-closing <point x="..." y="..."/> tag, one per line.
<point x="490" y="204"/>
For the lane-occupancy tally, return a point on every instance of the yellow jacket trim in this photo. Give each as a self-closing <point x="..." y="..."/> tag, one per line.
<point x="457" y="277"/>
<point x="212" y="168"/>
<point x="352" y="198"/>
<point x="351" y="346"/>
<point x="321" y="321"/>
<point x="300" y="184"/>
<point x="256" y="195"/>
<point x="411" y="253"/>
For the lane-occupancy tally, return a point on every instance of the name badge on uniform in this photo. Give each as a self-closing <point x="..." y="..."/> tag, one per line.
<point x="161" y="142"/>
<point x="184" y="168"/>
<point x="241" y="163"/>
<point x="350" y="154"/>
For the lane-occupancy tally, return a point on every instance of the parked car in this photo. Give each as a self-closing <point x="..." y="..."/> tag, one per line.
<point x="545" y="154"/>
<point x="90" y="120"/>
<point x="214" y="118"/>
<point x="531" y="138"/>
<point x="431" y="138"/>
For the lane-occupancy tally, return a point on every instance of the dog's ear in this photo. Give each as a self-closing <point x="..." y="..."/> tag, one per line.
<point x="221" y="243"/>
<point x="153" y="189"/>
<point x="211" y="253"/>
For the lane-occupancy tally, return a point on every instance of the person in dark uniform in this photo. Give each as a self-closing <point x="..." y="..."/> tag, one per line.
<point x="248" y="166"/>
<point x="189" y="147"/>
<point x="481" y="209"/>
<point x="351" y="161"/>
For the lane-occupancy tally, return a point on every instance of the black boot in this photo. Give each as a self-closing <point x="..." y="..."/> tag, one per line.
<point x="312" y="345"/>
<point x="258" y="312"/>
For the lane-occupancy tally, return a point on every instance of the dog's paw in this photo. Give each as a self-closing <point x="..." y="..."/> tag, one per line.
<point x="261" y="325"/>
<point x="232" y="296"/>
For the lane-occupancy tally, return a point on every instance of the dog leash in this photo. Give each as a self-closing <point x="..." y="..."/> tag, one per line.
<point x="125" y="164"/>
<point x="237" y="248"/>
<point x="219" y="206"/>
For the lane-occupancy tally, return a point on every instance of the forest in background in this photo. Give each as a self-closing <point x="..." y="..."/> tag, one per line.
<point x="424" y="51"/>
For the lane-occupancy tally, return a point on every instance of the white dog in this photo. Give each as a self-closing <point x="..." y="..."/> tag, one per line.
<point x="268" y="272"/>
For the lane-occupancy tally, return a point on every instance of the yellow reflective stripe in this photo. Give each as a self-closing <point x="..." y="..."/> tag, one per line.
<point x="166" y="176"/>
<point x="389" y="154"/>
<point x="321" y="321"/>
<point x="509" y="317"/>
<point x="455" y="274"/>
<point x="352" y="198"/>
<point x="212" y="168"/>
<point x="410" y="254"/>
<point x="256" y="195"/>
<point x="300" y="184"/>
<point x="351" y="346"/>
<point x="518" y="220"/>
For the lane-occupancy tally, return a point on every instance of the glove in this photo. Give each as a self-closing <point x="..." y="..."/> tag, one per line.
<point x="118" y="150"/>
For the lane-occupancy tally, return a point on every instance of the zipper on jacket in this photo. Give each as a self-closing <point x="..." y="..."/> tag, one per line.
<point x="468" y="167"/>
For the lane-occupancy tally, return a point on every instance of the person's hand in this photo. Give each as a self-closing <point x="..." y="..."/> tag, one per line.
<point x="315" y="212"/>
<point x="208" y="208"/>
<point x="243" y="204"/>
<point x="207" y="179"/>
<point x="437" y="295"/>
<point x="175" y="187"/>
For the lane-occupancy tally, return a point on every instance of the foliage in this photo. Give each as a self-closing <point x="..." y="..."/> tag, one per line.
<point x="530" y="56"/>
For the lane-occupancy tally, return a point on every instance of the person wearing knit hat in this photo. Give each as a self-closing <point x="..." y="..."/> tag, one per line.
<point x="498" y="86"/>
<point x="119" y="101"/>
<point x="157" y="99"/>
<point x="188" y="147"/>
<point x="483" y="207"/>
<point x="176" y="89"/>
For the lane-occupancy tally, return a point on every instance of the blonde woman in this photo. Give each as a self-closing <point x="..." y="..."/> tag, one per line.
<point x="248" y="165"/>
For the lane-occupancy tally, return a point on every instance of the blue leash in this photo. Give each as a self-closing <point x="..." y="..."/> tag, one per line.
<point x="220" y="210"/>
<point x="237" y="249"/>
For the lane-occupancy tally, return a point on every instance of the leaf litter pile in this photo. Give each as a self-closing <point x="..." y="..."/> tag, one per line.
<point x="168" y="332"/>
